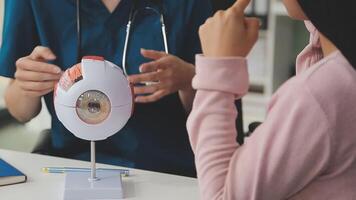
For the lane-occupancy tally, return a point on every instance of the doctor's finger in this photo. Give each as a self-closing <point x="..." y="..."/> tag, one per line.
<point x="153" y="66"/>
<point x="148" y="89"/>
<point x="36" y="76"/>
<point x="37" y="86"/>
<point x="152" y="54"/>
<point x="36" y="66"/>
<point x="37" y="93"/>
<point x="151" y="98"/>
<point x="145" y="77"/>
<point x="41" y="52"/>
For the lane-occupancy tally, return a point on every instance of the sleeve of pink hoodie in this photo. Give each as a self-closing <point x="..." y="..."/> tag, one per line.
<point x="282" y="156"/>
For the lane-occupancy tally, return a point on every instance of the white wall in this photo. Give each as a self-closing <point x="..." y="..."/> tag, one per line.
<point x="3" y="81"/>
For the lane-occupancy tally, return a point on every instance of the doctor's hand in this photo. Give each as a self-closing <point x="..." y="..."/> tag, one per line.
<point x="229" y="33"/>
<point x="168" y="73"/>
<point x="34" y="76"/>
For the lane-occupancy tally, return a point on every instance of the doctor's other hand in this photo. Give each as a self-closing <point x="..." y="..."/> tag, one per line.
<point x="229" y="33"/>
<point x="34" y="76"/>
<point x="165" y="75"/>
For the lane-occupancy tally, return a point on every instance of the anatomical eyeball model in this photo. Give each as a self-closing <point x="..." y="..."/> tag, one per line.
<point x="93" y="99"/>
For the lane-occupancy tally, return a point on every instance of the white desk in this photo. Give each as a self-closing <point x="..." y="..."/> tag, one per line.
<point x="140" y="185"/>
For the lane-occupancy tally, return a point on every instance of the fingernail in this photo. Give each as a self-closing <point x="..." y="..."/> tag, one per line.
<point x="140" y="69"/>
<point x="57" y="70"/>
<point x="51" y="56"/>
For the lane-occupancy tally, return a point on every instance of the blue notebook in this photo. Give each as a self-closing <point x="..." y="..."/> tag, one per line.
<point x="9" y="174"/>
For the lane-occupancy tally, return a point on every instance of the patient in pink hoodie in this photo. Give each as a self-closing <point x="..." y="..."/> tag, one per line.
<point x="306" y="147"/>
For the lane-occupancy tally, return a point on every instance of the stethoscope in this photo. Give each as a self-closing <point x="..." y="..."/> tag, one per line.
<point x="132" y="16"/>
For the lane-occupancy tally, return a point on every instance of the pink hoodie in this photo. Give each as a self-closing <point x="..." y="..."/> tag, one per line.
<point x="305" y="149"/>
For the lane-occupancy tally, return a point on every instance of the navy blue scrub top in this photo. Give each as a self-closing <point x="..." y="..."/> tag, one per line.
<point x="155" y="138"/>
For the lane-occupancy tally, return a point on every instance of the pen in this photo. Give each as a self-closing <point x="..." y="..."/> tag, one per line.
<point x="123" y="172"/>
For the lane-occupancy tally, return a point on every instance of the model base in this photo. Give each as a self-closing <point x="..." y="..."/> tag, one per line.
<point x="79" y="187"/>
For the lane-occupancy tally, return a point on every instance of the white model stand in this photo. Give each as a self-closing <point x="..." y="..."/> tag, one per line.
<point x="99" y="88"/>
<point x="85" y="185"/>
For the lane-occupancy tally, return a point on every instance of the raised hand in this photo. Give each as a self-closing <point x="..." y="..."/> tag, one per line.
<point x="166" y="74"/>
<point x="229" y="33"/>
<point x="34" y="76"/>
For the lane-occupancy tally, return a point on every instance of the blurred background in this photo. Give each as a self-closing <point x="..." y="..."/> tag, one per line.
<point x="271" y="62"/>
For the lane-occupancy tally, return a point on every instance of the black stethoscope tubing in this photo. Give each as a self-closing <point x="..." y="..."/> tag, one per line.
<point x="133" y="13"/>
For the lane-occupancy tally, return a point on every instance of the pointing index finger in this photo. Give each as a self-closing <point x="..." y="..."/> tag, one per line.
<point x="241" y="5"/>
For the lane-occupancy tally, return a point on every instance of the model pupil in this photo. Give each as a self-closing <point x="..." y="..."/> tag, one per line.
<point x="94" y="107"/>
